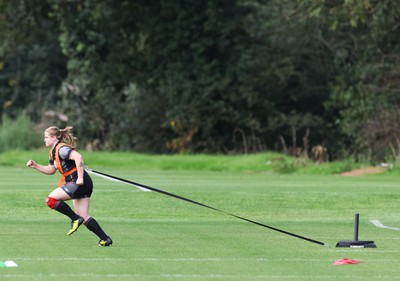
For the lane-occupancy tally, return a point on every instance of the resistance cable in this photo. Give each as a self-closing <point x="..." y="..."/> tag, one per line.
<point x="206" y="206"/>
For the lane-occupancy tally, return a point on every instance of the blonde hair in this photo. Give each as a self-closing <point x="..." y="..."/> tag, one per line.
<point x="63" y="135"/>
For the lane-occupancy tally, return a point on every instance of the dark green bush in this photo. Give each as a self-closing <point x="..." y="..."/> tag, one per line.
<point x="18" y="133"/>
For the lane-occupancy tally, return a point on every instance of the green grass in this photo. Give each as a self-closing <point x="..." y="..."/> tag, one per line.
<point x="268" y="162"/>
<point x="161" y="238"/>
<point x="252" y="162"/>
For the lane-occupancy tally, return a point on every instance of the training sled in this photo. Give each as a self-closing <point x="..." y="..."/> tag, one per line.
<point x="356" y="243"/>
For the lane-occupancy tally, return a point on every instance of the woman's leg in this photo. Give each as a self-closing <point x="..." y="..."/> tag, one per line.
<point x="59" y="194"/>
<point x="55" y="201"/>
<point x="82" y="209"/>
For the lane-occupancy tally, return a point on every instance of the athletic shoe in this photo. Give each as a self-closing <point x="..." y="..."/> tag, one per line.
<point x="105" y="243"/>
<point x="75" y="225"/>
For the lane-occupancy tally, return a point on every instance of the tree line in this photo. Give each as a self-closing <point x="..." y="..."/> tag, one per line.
<point x="220" y="76"/>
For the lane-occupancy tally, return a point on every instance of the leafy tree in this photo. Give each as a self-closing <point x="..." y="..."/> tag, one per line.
<point x="207" y="76"/>
<point x="31" y="64"/>
<point x="364" y="36"/>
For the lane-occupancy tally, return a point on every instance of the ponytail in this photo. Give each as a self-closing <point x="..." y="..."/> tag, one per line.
<point x="63" y="135"/>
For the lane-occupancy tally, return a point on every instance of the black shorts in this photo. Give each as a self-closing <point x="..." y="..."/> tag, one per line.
<point x="79" y="191"/>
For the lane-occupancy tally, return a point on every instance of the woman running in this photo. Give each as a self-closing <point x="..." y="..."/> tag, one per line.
<point x="75" y="183"/>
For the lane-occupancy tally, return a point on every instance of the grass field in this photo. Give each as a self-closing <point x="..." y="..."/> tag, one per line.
<point x="161" y="238"/>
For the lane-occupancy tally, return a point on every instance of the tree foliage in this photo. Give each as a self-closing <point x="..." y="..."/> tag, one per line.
<point x="207" y="76"/>
<point x="365" y="36"/>
<point x="31" y="65"/>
